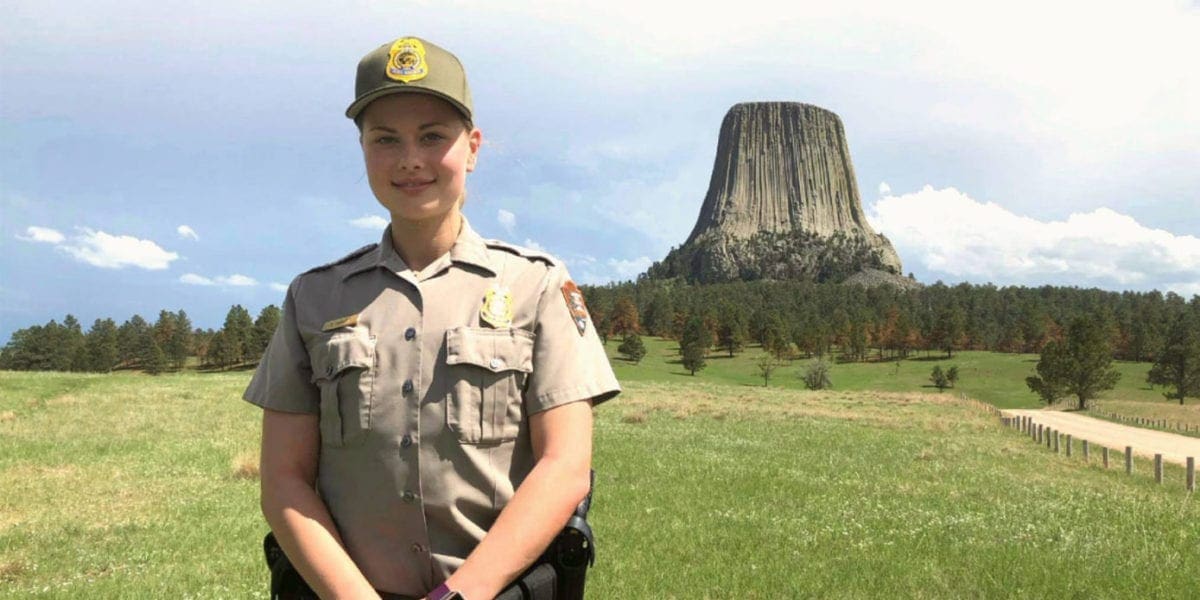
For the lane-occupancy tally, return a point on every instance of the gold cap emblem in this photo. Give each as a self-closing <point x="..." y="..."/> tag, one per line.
<point x="406" y="60"/>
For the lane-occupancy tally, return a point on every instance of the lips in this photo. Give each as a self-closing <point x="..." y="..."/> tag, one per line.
<point x="412" y="185"/>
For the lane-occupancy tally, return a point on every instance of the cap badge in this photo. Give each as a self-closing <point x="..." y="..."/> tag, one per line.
<point x="406" y="60"/>
<point x="575" y="306"/>
<point x="497" y="308"/>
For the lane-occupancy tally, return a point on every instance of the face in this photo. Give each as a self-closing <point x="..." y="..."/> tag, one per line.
<point x="418" y="152"/>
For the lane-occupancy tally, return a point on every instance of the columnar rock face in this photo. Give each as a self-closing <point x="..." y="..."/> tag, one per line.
<point x="782" y="203"/>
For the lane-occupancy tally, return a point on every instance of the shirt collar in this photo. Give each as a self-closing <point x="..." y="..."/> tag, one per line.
<point x="468" y="248"/>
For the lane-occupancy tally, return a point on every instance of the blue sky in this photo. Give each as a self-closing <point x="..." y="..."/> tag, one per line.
<point x="194" y="155"/>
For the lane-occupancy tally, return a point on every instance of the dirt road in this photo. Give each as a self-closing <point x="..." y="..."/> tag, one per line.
<point x="1146" y="442"/>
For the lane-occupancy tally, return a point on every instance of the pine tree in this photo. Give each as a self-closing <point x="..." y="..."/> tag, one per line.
<point x="264" y="328"/>
<point x="220" y="351"/>
<point x="155" y="360"/>
<point x="776" y="337"/>
<point x="731" y="330"/>
<point x="238" y="334"/>
<point x="947" y="330"/>
<point x="694" y="343"/>
<point x="660" y="315"/>
<point x="129" y="340"/>
<point x="1081" y="366"/>
<point x="938" y="377"/>
<point x="1178" y="363"/>
<point x="632" y="348"/>
<point x="100" y="345"/>
<point x="179" y="346"/>
<point x="73" y="354"/>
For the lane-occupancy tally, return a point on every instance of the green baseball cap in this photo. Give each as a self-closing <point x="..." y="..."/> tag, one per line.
<point x="410" y="65"/>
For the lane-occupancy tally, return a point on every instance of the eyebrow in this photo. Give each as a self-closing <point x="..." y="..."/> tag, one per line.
<point x="387" y="129"/>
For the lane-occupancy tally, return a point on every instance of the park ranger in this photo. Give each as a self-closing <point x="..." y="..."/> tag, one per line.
<point x="427" y="400"/>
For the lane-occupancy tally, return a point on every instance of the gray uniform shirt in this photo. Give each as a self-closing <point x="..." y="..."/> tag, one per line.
<point x="424" y="389"/>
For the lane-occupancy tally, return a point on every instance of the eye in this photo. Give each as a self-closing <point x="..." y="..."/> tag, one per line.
<point x="385" y="140"/>
<point x="432" y="137"/>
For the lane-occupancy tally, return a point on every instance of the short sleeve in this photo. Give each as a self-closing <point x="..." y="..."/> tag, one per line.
<point x="568" y="364"/>
<point x="283" y="380"/>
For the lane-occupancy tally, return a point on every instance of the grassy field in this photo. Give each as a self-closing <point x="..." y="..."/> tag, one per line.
<point x="992" y="377"/>
<point x="142" y="487"/>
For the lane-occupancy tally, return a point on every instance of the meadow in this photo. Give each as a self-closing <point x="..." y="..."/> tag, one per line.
<point x="130" y="486"/>
<point x="992" y="377"/>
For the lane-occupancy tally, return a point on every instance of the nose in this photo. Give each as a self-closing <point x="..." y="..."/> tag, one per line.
<point x="409" y="158"/>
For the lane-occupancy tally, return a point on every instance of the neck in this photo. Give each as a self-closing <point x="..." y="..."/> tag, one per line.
<point x="419" y="243"/>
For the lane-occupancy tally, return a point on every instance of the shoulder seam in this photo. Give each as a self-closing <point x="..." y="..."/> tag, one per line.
<point x="344" y="259"/>
<point x="522" y="251"/>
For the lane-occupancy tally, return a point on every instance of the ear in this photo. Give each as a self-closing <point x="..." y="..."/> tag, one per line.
<point x="474" y="141"/>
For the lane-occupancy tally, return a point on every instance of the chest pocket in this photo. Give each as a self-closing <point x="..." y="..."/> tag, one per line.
<point x="343" y="368"/>
<point x="487" y="370"/>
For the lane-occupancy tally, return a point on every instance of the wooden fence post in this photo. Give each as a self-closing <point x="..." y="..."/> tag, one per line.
<point x="1039" y="433"/>
<point x="1086" y="453"/>
<point x="1129" y="460"/>
<point x="1157" y="468"/>
<point x="1069" y="444"/>
<point x="1105" y="457"/>
<point x="1191" y="473"/>
<point x="1056" y="436"/>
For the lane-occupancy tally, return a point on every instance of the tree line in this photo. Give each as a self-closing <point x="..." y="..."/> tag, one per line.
<point x="165" y="345"/>
<point x="853" y="323"/>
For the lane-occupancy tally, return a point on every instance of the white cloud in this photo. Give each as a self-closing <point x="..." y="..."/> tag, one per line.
<point x="375" y="222"/>
<point x="884" y="188"/>
<point x="108" y="251"/>
<point x="532" y="245"/>
<point x="187" y="233"/>
<point x="222" y="280"/>
<point x="279" y="287"/>
<point x="507" y="220"/>
<point x="629" y="269"/>
<point x="194" y="279"/>
<point x="236" y="280"/>
<point x="950" y="233"/>
<point x="46" y="235"/>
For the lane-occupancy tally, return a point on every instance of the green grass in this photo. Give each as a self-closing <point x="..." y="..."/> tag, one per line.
<point x="128" y="486"/>
<point x="993" y="377"/>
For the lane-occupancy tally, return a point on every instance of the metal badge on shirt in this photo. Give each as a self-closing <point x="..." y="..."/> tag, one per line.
<point x="575" y="305"/>
<point x="497" y="309"/>
<point x="349" y="321"/>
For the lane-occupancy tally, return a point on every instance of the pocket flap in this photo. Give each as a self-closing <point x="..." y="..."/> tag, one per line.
<point x="493" y="349"/>
<point x="334" y="354"/>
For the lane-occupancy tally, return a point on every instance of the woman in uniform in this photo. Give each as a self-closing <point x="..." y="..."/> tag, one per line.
<point x="427" y="400"/>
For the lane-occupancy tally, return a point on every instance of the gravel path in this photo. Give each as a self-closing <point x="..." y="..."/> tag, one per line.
<point x="1146" y="442"/>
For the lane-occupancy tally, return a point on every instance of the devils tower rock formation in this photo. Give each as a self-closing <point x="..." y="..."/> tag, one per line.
<point x="782" y="203"/>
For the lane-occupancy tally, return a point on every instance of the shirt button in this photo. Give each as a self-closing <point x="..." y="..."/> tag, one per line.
<point x="496" y="363"/>
<point x="418" y="548"/>
<point x="406" y="441"/>
<point x="410" y="333"/>
<point x="407" y="387"/>
<point x="409" y="497"/>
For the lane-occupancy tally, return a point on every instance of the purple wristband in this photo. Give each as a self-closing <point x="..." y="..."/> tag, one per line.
<point x="439" y="592"/>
